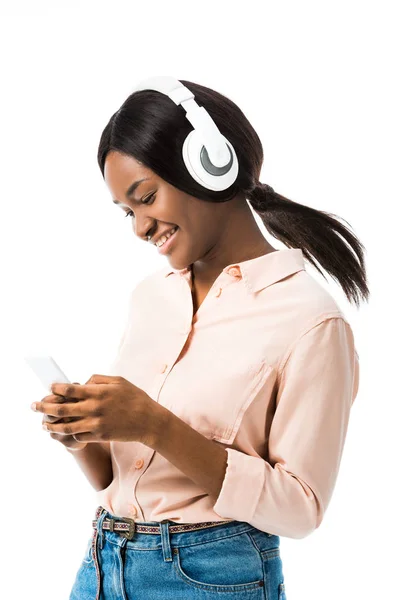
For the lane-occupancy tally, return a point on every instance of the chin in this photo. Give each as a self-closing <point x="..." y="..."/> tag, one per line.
<point x="175" y="264"/>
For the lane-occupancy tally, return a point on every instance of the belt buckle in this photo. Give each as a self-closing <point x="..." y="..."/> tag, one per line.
<point x="128" y="534"/>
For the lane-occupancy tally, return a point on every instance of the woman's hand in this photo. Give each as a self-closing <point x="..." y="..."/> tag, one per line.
<point x="104" y="409"/>
<point x="67" y="440"/>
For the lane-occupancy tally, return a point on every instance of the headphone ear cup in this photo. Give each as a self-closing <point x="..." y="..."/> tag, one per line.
<point x="197" y="162"/>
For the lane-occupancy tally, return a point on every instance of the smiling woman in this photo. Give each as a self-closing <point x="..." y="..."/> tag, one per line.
<point x="228" y="403"/>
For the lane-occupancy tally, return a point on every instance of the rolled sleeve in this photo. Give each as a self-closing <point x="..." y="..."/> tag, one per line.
<point x="288" y="492"/>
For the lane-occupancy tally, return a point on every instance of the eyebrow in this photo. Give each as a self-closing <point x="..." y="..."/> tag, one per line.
<point x="132" y="188"/>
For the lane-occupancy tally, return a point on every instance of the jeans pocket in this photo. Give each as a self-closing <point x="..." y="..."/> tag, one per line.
<point x="274" y="573"/>
<point x="228" y="564"/>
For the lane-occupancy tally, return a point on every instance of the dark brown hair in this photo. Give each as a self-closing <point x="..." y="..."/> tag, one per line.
<point x="151" y="128"/>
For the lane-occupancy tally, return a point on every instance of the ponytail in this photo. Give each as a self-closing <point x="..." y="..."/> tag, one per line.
<point x="317" y="233"/>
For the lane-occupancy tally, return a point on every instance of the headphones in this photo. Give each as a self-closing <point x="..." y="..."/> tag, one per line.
<point x="209" y="157"/>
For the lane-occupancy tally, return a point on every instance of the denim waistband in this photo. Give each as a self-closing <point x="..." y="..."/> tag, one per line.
<point x="186" y="538"/>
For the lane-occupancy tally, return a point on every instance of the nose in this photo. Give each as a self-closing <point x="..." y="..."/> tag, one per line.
<point x="143" y="230"/>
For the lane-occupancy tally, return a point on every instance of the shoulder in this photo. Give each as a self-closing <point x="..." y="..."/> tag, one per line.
<point x="299" y="304"/>
<point x="307" y="301"/>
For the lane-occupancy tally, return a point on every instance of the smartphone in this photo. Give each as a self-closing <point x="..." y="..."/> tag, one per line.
<point x="46" y="368"/>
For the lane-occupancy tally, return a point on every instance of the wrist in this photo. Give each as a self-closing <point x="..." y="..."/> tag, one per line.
<point x="159" y="426"/>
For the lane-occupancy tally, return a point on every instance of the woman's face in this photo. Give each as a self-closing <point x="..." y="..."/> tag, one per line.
<point x="155" y="206"/>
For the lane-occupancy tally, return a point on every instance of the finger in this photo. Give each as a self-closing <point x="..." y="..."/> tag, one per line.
<point x="84" y="437"/>
<point x="53" y="398"/>
<point x="70" y="390"/>
<point x="80" y="426"/>
<point x="50" y="419"/>
<point x="65" y="409"/>
<point x="57" y="397"/>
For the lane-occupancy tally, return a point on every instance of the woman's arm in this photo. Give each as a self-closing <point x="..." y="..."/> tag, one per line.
<point x="94" y="460"/>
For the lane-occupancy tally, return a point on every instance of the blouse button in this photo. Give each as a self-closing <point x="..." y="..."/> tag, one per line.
<point x="132" y="510"/>
<point x="218" y="292"/>
<point x="165" y="367"/>
<point x="139" y="463"/>
<point x="235" y="271"/>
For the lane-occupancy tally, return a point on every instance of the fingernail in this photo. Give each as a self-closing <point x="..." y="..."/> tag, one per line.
<point x="45" y="426"/>
<point x="33" y="406"/>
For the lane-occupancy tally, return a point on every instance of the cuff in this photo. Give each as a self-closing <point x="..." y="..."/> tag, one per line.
<point x="241" y="487"/>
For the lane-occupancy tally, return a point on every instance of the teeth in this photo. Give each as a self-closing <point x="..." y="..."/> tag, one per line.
<point x="164" y="238"/>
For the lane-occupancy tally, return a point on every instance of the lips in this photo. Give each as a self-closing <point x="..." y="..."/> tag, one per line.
<point x="166" y="245"/>
<point x="155" y="240"/>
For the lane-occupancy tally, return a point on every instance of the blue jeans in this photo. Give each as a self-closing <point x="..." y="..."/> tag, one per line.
<point x="234" y="561"/>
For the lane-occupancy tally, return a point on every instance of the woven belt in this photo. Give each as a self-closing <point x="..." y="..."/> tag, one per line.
<point x="127" y="527"/>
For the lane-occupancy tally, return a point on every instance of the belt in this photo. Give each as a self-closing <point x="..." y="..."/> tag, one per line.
<point x="127" y="527"/>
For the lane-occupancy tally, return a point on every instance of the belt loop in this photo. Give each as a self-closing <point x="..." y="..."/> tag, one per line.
<point x="99" y="510"/>
<point x="165" y="540"/>
<point x="100" y="515"/>
<point x="100" y="526"/>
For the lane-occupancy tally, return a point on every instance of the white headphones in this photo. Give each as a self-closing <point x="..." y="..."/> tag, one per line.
<point x="209" y="157"/>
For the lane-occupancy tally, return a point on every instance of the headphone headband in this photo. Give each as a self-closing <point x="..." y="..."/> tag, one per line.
<point x="209" y="157"/>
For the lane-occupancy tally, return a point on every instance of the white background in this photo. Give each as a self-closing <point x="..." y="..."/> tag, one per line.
<point x="318" y="81"/>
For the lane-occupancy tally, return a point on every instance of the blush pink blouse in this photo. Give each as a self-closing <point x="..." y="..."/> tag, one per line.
<point x="267" y="368"/>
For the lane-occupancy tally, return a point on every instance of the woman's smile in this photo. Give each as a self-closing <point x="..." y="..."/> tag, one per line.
<point x="166" y="246"/>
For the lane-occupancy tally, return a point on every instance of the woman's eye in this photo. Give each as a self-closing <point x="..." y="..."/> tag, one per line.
<point x="145" y="201"/>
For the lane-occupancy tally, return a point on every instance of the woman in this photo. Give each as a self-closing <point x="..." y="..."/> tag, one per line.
<point x="222" y="424"/>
